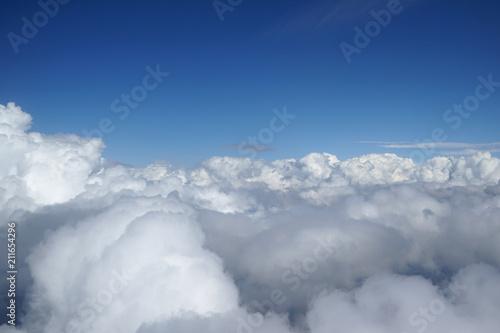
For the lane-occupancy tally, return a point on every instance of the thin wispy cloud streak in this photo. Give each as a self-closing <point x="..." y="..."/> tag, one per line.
<point x="467" y="151"/>
<point x="463" y="147"/>
<point x="258" y="147"/>
<point x="409" y="145"/>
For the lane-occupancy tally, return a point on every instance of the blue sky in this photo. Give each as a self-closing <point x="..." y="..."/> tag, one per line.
<point x="226" y="77"/>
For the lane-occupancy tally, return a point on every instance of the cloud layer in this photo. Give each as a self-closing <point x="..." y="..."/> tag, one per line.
<point x="370" y="244"/>
<point x="461" y="148"/>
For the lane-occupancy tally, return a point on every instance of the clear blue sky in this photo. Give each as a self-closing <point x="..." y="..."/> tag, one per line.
<point x="227" y="76"/>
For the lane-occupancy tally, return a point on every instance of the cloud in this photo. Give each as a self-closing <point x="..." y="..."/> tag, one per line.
<point x="467" y="151"/>
<point x="392" y="303"/>
<point x="314" y="244"/>
<point x="256" y="147"/>
<point x="327" y="14"/>
<point x="38" y="168"/>
<point x="442" y="148"/>
<point x="454" y="145"/>
<point x="143" y="249"/>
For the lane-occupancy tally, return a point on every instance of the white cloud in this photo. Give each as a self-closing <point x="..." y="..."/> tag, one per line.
<point x="467" y="151"/>
<point x="391" y="303"/>
<point x="455" y="145"/>
<point x="314" y="244"/>
<point x="440" y="148"/>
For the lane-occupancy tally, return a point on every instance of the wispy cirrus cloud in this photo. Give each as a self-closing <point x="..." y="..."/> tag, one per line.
<point x="467" y="151"/>
<point x="443" y="145"/>
<point x="257" y="147"/>
<point x="315" y="16"/>
<point x="460" y="148"/>
<point x="318" y="15"/>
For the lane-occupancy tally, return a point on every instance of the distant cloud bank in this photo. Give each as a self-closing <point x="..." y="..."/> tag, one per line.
<point x="375" y="243"/>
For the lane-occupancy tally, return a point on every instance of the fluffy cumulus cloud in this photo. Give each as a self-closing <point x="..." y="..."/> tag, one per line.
<point x="39" y="169"/>
<point x="375" y="243"/>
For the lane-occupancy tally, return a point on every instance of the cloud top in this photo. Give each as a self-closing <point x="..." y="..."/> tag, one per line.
<point x="375" y="243"/>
